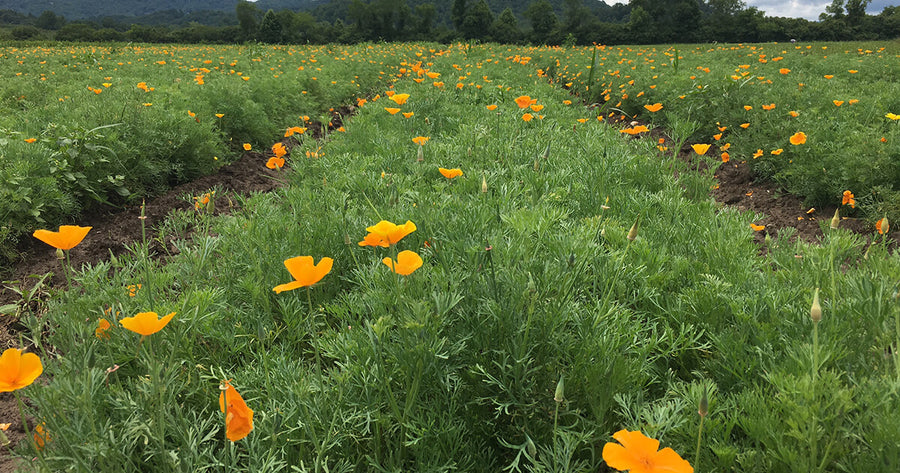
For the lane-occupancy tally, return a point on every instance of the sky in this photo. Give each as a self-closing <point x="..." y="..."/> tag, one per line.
<point x="809" y="9"/>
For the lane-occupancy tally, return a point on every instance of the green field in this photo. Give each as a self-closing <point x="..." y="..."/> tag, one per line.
<point x="565" y="250"/>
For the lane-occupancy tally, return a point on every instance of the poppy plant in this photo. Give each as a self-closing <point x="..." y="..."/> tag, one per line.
<point x="798" y="138"/>
<point x="639" y="454"/>
<point x="304" y="272"/>
<point x="450" y="173"/>
<point x="407" y="262"/>
<point x="146" y="323"/>
<point x="68" y="236"/>
<point x="18" y="370"/>
<point x="385" y="233"/>
<point x="238" y="416"/>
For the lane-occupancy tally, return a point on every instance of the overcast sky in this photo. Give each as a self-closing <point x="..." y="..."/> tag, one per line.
<point x="809" y="9"/>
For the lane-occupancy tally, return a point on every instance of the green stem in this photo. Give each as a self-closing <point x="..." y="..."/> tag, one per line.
<point x="66" y="269"/>
<point x="312" y="336"/>
<point x="28" y="435"/>
<point x="225" y="431"/>
<point x="813" y="440"/>
<point x="697" y="453"/>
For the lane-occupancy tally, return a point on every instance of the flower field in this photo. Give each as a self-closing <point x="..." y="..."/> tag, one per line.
<point x="476" y="271"/>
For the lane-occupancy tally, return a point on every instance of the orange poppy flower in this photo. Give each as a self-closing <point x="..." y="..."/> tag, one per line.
<point x="275" y="163"/>
<point x="524" y="101"/>
<point x="848" y="199"/>
<point x="41" y="436"/>
<point x="68" y="236"/>
<point x="238" y="416"/>
<point x="304" y="272"/>
<point x="745" y="125"/>
<point x="838" y="103"/>
<point x="638" y="453"/>
<point x="758" y="153"/>
<point x="438" y="84"/>
<point x="828" y="76"/>
<point x="778" y="151"/>
<point x="717" y="136"/>
<point x="771" y="106"/>
<point x="18" y="370"/>
<point x="294" y="129"/>
<point x="407" y="114"/>
<point x="399" y="99"/>
<point x="756" y="227"/>
<point x="30" y="140"/>
<point x="883" y="226"/>
<point x="385" y="233"/>
<point x="784" y="71"/>
<point x="407" y="262"/>
<point x="279" y="150"/>
<point x="793" y="114"/>
<point x="748" y="107"/>
<point x="536" y="108"/>
<point x="420" y="140"/>
<point x="450" y="173"/>
<point x="433" y="75"/>
<point x="654" y="108"/>
<point x="247" y="147"/>
<point x="102" y="326"/>
<point x="220" y="115"/>
<point x="527" y="117"/>
<point x="725" y="157"/>
<point x="492" y="107"/>
<point x="700" y="149"/>
<point x="146" y="323"/>
<point x="392" y="111"/>
<point x="892" y="116"/>
<point x="798" y="138"/>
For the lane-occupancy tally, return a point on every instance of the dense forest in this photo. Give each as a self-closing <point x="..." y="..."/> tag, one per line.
<point x="504" y="21"/>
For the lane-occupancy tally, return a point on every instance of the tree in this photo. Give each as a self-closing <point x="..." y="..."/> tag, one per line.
<point x="269" y="29"/>
<point x="506" y="28"/>
<point x="478" y="21"/>
<point x="247" y="14"/>
<point x="835" y="10"/>
<point x="856" y="11"/>
<point x="426" y="13"/>
<point x="543" y="20"/>
<point x="458" y="13"/>
<point x="49" y="21"/>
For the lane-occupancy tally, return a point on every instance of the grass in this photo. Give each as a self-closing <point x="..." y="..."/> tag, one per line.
<point x="456" y="365"/>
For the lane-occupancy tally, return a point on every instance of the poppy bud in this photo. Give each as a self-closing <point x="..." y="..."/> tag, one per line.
<point x="4" y="440"/>
<point x="704" y="405"/>
<point x="547" y="151"/>
<point x="559" y="395"/>
<point x="836" y="220"/>
<point x="59" y="254"/>
<point x="347" y="239"/>
<point x="815" y="312"/>
<point x="632" y="234"/>
<point x="530" y="446"/>
<point x="537" y="164"/>
<point x="483" y="184"/>
<point x="211" y="206"/>
<point x="421" y="154"/>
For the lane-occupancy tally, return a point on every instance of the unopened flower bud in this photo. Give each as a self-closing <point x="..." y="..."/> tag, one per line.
<point x="483" y="184"/>
<point x="704" y="405"/>
<point x="836" y="220"/>
<point x="815" y="312"/>
<point x="632" y="234"/>
<point x="559" y="395"/>
<point x="420" y="156"/>
<point x="60" y="254"/>
<point x="530" y="447"/>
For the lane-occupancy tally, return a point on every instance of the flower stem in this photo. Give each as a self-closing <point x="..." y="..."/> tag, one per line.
<point x="28" y="435"/>
<point x="312" y="337"/>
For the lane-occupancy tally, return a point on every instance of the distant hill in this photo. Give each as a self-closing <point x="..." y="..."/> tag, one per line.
<point x="325" y="9"/>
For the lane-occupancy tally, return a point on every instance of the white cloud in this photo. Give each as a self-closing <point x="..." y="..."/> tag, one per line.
<point x="809" y="9"/>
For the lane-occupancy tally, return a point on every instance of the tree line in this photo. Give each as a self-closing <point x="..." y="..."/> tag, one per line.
<point x="567" y="22"/>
